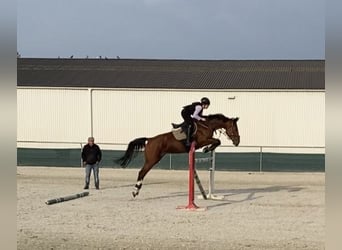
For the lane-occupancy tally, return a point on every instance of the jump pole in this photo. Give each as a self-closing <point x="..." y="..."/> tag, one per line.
<point x="211" y="189"/>
<point x="66" y="198"/>
<point x="191" y="203"/>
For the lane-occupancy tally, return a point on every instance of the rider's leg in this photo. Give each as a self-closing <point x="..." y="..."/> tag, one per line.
<point x="188" y="135"/>
<point x="184" y="115"/>
<point x="189" y="125"/>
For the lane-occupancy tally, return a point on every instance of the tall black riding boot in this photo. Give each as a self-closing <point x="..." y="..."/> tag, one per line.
<point x="188" y="136"/>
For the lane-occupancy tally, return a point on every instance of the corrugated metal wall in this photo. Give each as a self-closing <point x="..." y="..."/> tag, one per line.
<point x="52" y="114"/>
<point x="266" y="118"/>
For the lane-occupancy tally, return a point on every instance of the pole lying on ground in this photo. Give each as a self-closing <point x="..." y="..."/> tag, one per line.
<point x="66" y="198"/>
<point x="191" y="204"/>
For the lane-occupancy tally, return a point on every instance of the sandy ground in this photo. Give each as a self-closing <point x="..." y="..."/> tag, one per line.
<point x="260" y="211"/>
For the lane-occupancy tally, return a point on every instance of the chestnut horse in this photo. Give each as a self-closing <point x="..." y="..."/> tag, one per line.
<point x="156" y="147"/>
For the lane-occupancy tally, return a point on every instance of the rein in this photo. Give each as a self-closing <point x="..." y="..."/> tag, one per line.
<point x="203" y="125"/>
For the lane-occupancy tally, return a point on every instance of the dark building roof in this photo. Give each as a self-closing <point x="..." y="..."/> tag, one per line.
<point x="172" y="74"/>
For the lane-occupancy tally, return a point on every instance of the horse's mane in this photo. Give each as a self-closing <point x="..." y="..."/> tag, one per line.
<point x="220" y="117"/>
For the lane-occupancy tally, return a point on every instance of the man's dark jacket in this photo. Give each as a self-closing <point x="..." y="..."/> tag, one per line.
<point x="91" y="154"/>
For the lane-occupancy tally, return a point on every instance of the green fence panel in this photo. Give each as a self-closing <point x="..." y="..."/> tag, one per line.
<point x="293" y="162"/>
<point x="224" y="161"/>
<point x="48" y="157"/>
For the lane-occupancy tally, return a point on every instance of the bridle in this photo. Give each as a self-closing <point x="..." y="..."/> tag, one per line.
<point x="227" y="133"/>
<point x="221" y="131"/>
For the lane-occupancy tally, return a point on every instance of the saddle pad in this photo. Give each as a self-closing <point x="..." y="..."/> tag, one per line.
<point x="180" y="135"/>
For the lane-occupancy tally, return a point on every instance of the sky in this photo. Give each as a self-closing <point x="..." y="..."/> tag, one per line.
<point x="172" y="29"/>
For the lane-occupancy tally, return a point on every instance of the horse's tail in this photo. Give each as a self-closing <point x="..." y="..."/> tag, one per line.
<point x="133" y="147"/>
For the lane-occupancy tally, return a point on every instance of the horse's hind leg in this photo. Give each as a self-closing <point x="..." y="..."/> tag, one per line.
<point x="149" y="163"/>
<point x="144" y="170"/>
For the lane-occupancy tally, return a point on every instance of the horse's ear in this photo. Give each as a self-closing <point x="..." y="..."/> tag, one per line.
<point x="236" y="119"/>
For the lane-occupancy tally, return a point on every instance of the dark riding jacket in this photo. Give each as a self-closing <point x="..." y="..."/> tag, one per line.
<point x="190" y="109"/>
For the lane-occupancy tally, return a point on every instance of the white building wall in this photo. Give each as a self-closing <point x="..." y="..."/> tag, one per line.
<point x="280" y="118"/>
<point x="266" y="118"/>
<point x="52" y="115"/>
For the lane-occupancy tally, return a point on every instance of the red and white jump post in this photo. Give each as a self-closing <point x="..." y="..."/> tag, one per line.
<point x="192" y="173"/>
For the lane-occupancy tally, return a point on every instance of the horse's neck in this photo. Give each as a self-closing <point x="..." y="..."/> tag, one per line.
<point x="216" y="124"/>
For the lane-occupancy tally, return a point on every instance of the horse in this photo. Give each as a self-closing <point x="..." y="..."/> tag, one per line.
<point x="156" y="147"/>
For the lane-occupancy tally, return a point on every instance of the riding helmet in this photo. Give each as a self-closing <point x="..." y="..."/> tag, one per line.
<point x="205" y="100"/>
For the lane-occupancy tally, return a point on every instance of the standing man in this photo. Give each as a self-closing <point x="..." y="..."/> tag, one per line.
<point x="91" y="156"/>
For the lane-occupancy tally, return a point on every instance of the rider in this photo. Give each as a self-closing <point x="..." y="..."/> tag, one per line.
<point x="190" y="112"/>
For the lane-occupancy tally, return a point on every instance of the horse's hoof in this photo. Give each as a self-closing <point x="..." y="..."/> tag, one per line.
<point x="206" y="150"/>
<point x="134" y="194"/>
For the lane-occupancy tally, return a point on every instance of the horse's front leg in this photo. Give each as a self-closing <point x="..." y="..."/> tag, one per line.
<point x="211" y="144"/>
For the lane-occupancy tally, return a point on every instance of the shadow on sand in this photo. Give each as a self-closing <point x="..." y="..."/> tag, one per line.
<point x="249" y="194"/>
<point x="131" y="185"/>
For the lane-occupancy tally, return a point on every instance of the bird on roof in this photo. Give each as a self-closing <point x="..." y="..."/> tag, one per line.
<point x="72" y="56"/>
<point x="117" y="57"/>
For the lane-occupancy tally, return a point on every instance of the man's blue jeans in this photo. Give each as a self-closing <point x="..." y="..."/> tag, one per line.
<point x="95" y="168"/>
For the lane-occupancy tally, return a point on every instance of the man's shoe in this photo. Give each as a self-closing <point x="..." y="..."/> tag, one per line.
<point x="86" y="187"/>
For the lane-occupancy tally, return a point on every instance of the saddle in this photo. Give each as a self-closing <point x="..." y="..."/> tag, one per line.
<point x="179" y="133"/>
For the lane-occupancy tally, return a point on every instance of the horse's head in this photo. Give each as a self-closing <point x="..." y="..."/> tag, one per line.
<point x="233" y="131"/>
<point x="229" y="124"/>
